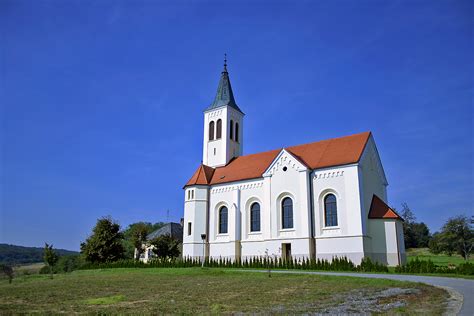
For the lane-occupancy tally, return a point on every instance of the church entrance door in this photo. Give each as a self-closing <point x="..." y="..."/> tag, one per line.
<point x="286" y="249"/>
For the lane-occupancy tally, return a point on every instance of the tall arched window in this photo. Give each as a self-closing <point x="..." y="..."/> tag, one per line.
<point x="255" y="217"/>
<point x="211" y="130"/>
<point x="219" y="129"/>
<point x="287" y="213"/>
<point x="223" y="220"/>
<point x="330" y="210"/>
<point x="231" y="132"/>
<point x="236" y="132"/>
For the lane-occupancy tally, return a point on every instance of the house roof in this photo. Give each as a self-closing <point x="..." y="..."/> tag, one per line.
<point x="379" y="209"/>
<point x="224" y="95"/>
<point x="321" y="154"/>
<point x="171" y="229"/>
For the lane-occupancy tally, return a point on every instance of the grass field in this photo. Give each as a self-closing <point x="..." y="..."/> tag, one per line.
<point x="193" y="290"/>
<point x="441" y="259"/>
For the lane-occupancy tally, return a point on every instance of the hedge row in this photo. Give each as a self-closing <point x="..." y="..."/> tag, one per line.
<point x="427" y="266"/>
<point x="337" y="264"/>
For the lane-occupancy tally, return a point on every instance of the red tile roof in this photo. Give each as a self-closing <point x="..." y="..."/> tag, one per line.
<point x="379" y="209"/>
<point x="202" y="175"/>
<point x="326" y="153"/>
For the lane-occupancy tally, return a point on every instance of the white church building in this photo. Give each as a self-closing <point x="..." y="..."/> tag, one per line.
<point x="317" y="200"/>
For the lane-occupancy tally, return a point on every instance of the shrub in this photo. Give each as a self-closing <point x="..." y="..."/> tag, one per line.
<point x="466" y="268"/>
<point x="7" y="270"/>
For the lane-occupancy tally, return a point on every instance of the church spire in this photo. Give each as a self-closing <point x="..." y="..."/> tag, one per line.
<point x="224" y="95"/>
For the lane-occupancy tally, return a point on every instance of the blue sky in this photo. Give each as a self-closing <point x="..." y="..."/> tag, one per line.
<point x="101" y="101"/>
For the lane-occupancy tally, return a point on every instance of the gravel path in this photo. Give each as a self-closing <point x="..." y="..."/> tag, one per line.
<point x="464" y="287"/>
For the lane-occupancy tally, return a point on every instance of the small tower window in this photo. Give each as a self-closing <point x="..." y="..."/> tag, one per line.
<point x="231" y="131"/>
<point x="189" y="228"/>
<point x="211" y="130"/>
<point x="236" y="132"/>
<point x="219" y="129"/>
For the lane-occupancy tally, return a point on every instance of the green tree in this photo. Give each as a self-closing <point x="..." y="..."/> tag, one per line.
<point x="8" y="271"/>
<point x="415" y="234"/>
<point x="128" y="233"/>
<point x="165" y="246"/>
<point x="139" y="238"/>
<point x="420" y="235"/>
<point x="457" y="235"/>
<point x="106" y="242"/>
<point x="436" y="244"/>
<point x="50" y="258"/>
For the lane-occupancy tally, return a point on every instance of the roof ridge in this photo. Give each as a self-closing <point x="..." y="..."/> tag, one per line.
<point x="288" y="148"/>
<point x="332" y="139"/>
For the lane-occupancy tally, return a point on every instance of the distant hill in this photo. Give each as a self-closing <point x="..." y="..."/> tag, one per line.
<point x="11" y="254"/>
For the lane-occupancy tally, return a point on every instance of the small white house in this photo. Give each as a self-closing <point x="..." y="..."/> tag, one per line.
<point x="317" y="200"/>
<point x="174" y="230"/>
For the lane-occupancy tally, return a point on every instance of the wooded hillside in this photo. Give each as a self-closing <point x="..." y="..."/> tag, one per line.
<point x="11" y="254"/>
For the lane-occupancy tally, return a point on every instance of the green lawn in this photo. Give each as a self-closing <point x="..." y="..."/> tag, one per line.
<point x="194" y="290"/>
<point x="441" y="259"/>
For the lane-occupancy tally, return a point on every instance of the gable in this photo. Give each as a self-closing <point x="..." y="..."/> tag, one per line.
<point x="380" y="210"/>
<point x="371" y="157"/>
<point x="284" y="159"/>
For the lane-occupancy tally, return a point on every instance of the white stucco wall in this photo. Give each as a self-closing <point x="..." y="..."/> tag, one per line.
<point x="387" y="241"/>
<point x="195" y="212"/>
<point x="347" y="238"/>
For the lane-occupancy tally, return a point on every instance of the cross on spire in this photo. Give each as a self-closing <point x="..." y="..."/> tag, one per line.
<point x="225" y="62"/>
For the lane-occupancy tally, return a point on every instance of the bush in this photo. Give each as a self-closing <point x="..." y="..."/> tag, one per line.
<point x="367" y="265"/>
<point x="427" y="266"/>
<point x="7" y="270"/>
<point x="466" y="268"/>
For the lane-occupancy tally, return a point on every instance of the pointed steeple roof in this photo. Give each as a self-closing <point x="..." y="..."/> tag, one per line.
<point x="224" y="95"/>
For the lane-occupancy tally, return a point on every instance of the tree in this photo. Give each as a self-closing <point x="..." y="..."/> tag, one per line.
<point x="128" y="242"/>
<point x="436" y="244"/>
<point x="8" y="271"/>
<point x="50" y="258"/>
<point x="415" y="234"/>
<point x="140" y="232"/>
<point x="457" y="235"/>
<point x="407" y="214"/>
<point x="165" y="246"/>
<point x="420" y="235"/>
<point x="105" y="243"/>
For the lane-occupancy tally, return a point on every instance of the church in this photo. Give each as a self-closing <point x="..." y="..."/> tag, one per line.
<point x="319" y="200"/>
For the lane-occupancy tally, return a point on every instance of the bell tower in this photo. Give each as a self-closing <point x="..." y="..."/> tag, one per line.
<point x="223" y="126"/>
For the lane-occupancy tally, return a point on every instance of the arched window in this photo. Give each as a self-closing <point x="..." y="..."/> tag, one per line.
<point x="330" y="210"/>
<point x="255" y="217"/>
<point x="223" y="220"/>
<point x="231" y="132"/>
<point x="287" y="213"/>
<point x="236" y="132"/>
<point x="211" y="130"/>
<point x="219" y="129"/>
